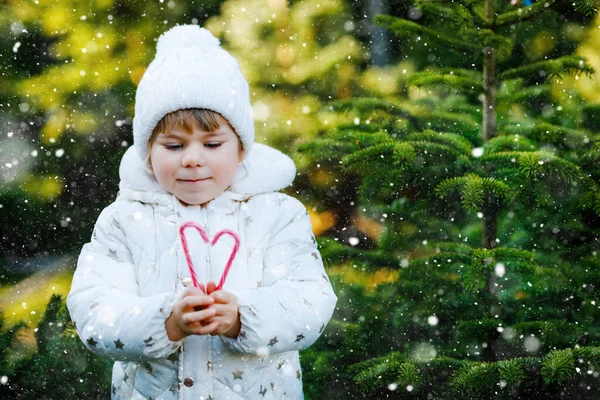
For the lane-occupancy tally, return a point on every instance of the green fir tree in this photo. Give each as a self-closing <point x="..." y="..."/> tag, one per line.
<point x="488" y="192"/>
<point x="62" y="368"/>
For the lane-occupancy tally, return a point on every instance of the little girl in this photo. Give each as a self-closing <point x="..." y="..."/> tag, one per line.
<point x="200" y="280"/>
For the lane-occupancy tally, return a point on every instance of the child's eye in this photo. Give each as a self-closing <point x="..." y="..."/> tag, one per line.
<point x="173" y="146"/>
<point x="212" y="145"/>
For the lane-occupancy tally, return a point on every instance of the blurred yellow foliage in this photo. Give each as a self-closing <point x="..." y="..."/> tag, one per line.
<point x="43" y="187"/>
<point x="370" y="280"/>
<point x="27" y="300"/>
<point x="321" y="222"/>
<point x="540" y="45"/>
<point x="587" y="87"/>
<point x="54" y="126"/>
<point x="56" y="20"/>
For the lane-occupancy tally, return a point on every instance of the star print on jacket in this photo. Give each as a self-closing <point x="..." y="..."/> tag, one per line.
<point x="119" y="344"/>
<point x="237" y="374"/>
<point x="262" y="390"/>
<point x="113" y="254"/>
<point x="149" y="342"/>
<point x="299" y="337"/>
<point x="273" y="341"/>
<point x="91" y="341"/>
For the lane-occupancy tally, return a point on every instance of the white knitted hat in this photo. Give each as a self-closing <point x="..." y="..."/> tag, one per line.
<point x="191" y="70"/>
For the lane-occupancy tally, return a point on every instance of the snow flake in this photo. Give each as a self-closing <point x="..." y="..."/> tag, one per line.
<point x="500" y="269"/>
<point x="477" y="152"/>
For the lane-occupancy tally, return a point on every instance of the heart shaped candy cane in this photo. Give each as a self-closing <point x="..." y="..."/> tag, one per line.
<point x="188" y="257"/>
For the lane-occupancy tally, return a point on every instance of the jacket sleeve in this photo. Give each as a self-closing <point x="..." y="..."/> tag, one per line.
<point x="111" y="317"/>
<point x="295" y="301"/>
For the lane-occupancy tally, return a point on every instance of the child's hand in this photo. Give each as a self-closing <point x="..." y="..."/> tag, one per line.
<point x="226" y="312"/>
<point x="192" y="315"/>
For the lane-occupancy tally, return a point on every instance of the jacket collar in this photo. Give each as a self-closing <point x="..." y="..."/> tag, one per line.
<point x="264" y="170"/>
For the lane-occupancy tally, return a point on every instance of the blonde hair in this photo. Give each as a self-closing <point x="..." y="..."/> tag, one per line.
<point x="185" y="119"/>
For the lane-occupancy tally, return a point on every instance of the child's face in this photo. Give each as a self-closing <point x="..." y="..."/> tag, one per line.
<point x="196" y="167"/>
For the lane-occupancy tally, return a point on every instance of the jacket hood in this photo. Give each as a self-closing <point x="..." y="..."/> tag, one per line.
<point x="264" y="170"/>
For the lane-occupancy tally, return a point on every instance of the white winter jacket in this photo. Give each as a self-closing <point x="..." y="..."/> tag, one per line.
<point x="130" y="275"/>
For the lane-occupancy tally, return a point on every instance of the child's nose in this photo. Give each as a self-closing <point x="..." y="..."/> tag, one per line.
<point x="193" y="157"/>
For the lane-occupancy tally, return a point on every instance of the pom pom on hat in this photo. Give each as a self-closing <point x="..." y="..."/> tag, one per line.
<point x="185" y="36"/>
<point x="191" y="70"/>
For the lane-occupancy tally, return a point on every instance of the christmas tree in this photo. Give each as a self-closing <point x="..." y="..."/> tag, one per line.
<point x="62" y="368"/>
<point x="486" y="192"/>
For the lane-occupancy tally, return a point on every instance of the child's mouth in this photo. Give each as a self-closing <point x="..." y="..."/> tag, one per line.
<point x="194" y="180"/>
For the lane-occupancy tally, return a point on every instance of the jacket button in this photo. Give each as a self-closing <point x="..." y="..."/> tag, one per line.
<point x="189" y="381"/>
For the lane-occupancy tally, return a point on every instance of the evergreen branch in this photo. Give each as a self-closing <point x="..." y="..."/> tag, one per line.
<point x="409" y="374"/>
<point x="558" y="366"/>
<point x="592" y="155"/>
<point x="509" y="253"/>
<point x="453" y="140"/>
<point x="382" y="183"/>
<point x="473" y="189"/>
<point x="511" y="372"/>
<point x="503" y="143"/>
<point x="591" y="354"/>
<point x="591" y="200"/>
<point x="472" y="380"/>
<point x="462" y="16"/>
<point x="586" y="7"/>
<point x="455" y="13"/>
<point x="450" y="122"/>
<point x="366" y="106"/>
<point x="551" y="330"/>
<point x="368" y="373"/>
<point x="477" y="329"/>
<point x="427" y="79"/>
<point x="335" y="252"/>
<point x="452" y="247"/>
<point x="362" y="157"/>
<point x="473" y="194"/>
<point x="553" y="134"/>
<point x="541" y="163"/>
<point x="435" y="148"/>
<point x="360" y="127"/>
<point x="354" y="140"/>
<point x="549" y="68"/>
<point x="535" y="165"/>
<point x="512" y="91"/>
<point x="403" y="28"/>
<point x="463" y="72"/>
<point x="523" y="13"/>
<point x="7" y="338"/>
<point x="487" y="38"/>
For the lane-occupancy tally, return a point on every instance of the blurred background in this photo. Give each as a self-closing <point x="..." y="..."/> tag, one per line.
<point x="68" y="75"/>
